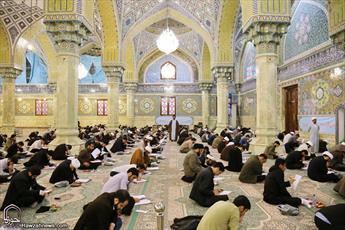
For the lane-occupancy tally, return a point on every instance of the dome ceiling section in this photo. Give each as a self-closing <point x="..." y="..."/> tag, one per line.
<point x="191" y="42"/>
<point x="205" y="12"/>
<point x="17" y="17"/>
<point x="177" y="27"/>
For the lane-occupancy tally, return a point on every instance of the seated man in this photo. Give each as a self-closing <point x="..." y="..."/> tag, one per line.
<point x="330" y="217"/>
<point x="102" y="213"/>
<point x="187" y="145"/>
<point x="85" y="157"/>
<point x="217" y="141"/>
<point x="294" y="160"/>
<point x="222" y="144"/>
<point x="7" y="170"/>
<point x="275" y="191"/>
<point x="252" y="170"/>
<point x="40" y="158"/>
<point x="16" y="149"/>
<point x="65" y="171"/>
<point x="124" y="168"/>
<point x="23" y="190"/>
<point x="203" y="191"/>
<point x="338" y="152"/>
<point x="225" y="154"/>
<point x="318" y="171"/>
<point x="61" y="152"/>
<point x="191" y="164"/>
<point x="38" y="145"/>
<point x="120" y="181"/>
<point x="235" y="159"/>
<point x="292" y="143"/>
<point x="270" y="150"/>
<point x="141" y="156"/>
<point x="119" y="145"/>
<point x="306" y="146"/>
<point x="225" y="215"/>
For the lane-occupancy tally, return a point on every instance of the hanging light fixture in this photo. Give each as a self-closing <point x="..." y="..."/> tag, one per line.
<point x="167" y="42"/>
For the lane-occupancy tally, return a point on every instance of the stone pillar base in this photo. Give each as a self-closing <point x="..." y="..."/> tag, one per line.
<point x="9" y="130"/>
<point x="263" y="139"/>
<point x="69" y="137"/>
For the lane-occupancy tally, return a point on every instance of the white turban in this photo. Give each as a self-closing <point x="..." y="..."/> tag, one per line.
<point x="75" y="163"/>
<point x="326" y="153"/>
<point x="148" y="149"/>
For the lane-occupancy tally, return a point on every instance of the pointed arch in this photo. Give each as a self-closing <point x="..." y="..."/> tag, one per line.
<point x="5" y="46"/>
<point x="226" y="29"/>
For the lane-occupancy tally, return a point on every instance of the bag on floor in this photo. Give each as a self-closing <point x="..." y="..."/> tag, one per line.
<point x="288" y="210"/>
<point x="186" y="223"/>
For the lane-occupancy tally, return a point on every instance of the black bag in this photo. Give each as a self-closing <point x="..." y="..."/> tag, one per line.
<point x="186" y="223"/>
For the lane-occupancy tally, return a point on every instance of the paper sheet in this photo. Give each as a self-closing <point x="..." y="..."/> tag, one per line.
<point x="141" y="211"/>
<point x="218" y="178"/>
<point x="95" y="153"/>
<point x="225" y="193"/>
<point x="83" y="180"/>
<point x="296" y="182"/>
<point x="143" y="202"/>
<point x="139" y="181"/>
<point x="152" y="168"/>
<point x="96" y="161"/>
<point x="140" y="197"/>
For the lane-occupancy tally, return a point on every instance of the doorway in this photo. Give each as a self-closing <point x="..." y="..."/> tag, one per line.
<point x="291" y="108"/>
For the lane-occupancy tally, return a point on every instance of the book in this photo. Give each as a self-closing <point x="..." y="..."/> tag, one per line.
<point x="139" y="197"/>
<point x="83" y="180"/>
<point x="95" y="153"/>
<point x="152" y="168"/>
<point x="96" y="161"/>
<point x="139" y="181"/>
<point x="296" y="182"/>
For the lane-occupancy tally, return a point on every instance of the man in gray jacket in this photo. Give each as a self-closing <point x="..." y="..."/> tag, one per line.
<point x="191" y="164"/>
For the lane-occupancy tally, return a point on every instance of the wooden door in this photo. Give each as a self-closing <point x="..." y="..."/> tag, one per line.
<point x="291" y="108"/>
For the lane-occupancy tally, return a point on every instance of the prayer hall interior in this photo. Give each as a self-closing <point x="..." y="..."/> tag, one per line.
<point x="132" y="114"/>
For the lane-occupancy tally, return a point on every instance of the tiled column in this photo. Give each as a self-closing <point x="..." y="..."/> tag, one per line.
<point x="205" y="96"/>
<point x="131" y="88"/>
<point x="222" y="74"/>
<point x="9" y="75"/>
<point x="114" y="75"/>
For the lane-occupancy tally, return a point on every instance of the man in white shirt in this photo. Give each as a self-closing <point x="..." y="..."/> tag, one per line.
<point x="38" y="145"/>
<point x="120" y="181"/>
<point x="124" y="168"/>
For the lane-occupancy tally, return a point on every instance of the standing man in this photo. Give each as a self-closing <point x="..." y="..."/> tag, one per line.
<point x="174" y="128"/>
<point x="314" y="135"/>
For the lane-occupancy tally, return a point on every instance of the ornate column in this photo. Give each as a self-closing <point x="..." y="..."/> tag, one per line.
<point x="67" y="35"/>
<point x="205" y="96"/>
<point x="52" y="90"/>
<point x="131" y="88"/>
<point x="222" y="75"/>
<point x="238" y="107"/>
<point x="9" y="75"/>
<point x="266" y="37"/>
<point x="114" y="75"/>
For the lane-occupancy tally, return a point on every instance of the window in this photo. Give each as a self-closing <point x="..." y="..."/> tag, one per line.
<point x="168" y="106"/>
<point x="41" y="107"/>
<point x="102" y="107"/>
<point x="168" y="71"/>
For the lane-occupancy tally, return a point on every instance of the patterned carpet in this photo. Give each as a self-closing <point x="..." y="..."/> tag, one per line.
<point x="165" y="185"/>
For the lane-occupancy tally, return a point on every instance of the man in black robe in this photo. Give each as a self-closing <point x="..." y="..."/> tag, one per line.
<point x="23" y="190"/>
<point x="275" y="191"/>
<point x="331" y="217"/>
<point x="294" y="160"/>
<point x="61" y="152"/>
<point x="85" y="157"/>
<point x="203" y="191"/>
<point x="235" y="163"/>
<point x="66" y="171"/>
<point x="119" y="145"/>
<point x="174" y="128"/>
<point x="318" y="171"/>
<point x="102" y="213"/>
<point x="15" y="150"/>
<point x="41" y="159"/>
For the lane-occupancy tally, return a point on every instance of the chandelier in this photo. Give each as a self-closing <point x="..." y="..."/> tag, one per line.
<point x="167" y="42"/>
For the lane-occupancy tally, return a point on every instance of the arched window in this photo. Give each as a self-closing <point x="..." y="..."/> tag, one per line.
<point x="168" y="71"/>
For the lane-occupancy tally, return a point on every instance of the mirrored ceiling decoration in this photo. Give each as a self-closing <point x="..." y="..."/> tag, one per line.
<point x="191" y="42"/>
<point x="17" y="16"/>
<point x="203" y="12"/>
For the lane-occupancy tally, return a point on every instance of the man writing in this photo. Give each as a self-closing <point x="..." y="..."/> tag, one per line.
<point x="191" y="164"/>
